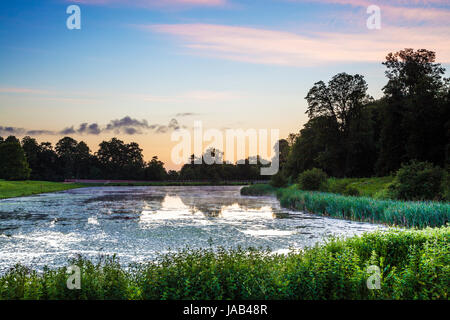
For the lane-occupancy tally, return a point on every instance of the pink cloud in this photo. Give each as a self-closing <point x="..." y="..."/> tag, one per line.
<point x="365" y="3"/>
<point x="153" y="3"/>
<point x="288" y="48"/>
<point x="401" y="11"/>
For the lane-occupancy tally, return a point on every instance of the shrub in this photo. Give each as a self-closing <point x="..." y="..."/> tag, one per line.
<point x="313" y="179"/>
<point x="418" y="181"/>
<point x="278" y="180"/>
<point x="257" y="190"/>
<point x="351" y="191"/>
<point x="446" y="186"/>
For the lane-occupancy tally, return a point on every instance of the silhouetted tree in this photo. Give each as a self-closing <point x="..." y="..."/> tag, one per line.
<point x="416" y="113"/>
<point x="14" y="165"/>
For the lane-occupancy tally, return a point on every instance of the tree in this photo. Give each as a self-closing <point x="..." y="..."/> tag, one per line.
<point x="341" y="100"/>
<point x="14" y="165"/>
<point x="416" y="111"/>
<point x="66" y="149"/>
<point x="338" y="138"/>
<point x="121" y="161"/>
<point x="155" y="170"/>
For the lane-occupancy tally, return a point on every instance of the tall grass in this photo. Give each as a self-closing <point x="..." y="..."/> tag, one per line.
<point x="399" y="213"/>
<point x="414" y="264"/>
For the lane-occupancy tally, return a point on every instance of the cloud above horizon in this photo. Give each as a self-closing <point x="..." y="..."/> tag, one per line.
<point x="264" y="46"/>
<point x="126" y="125"/>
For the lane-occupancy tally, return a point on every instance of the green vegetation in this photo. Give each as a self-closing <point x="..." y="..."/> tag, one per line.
<point x="418" y="181"/>
<point x="375" y="187"/>
<point x="313" y="179"/>
<point x="10" y="189"/>
<point x="414" y="264"/>
<point x="391" y="212"/>
<point x="14" y="165"/>
<point x="350" y="134"/>
<point x="258" y="190"/>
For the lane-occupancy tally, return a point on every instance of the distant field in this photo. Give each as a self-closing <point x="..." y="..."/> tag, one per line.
<point x="11" y="189"/>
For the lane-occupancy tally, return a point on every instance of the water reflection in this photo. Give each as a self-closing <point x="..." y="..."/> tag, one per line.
<point x="137" y="222"/>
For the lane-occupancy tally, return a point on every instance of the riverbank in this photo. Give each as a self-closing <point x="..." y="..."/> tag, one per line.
<point x="419" y="214"/>
<point x="413" y="264"/>
<point x="138" y="183"/>
<point x="12" y="189"/>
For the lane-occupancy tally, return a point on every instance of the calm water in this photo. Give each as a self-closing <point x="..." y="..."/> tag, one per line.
<point x="138" y="222"/>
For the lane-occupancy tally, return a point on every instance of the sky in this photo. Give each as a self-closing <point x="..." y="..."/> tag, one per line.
<point x="140" y="69"/>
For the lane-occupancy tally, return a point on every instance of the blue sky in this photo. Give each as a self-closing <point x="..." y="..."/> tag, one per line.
<point x="229" y="63"/>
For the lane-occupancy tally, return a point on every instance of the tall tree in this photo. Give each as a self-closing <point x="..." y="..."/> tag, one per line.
<point x="338" y="136"/>
<point x="415" y="114"/>
<point x="155" y="170"/>
<point x="14" y="165"/>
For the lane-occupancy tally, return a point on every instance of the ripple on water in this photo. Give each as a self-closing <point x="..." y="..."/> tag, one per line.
<point x="137" y="223"/>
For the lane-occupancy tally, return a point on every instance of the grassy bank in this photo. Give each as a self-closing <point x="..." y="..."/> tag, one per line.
<point x="375" y="187"/>
<point x="11" y="189"/>
<point x="390" y="212"/>
<point x="414" y="264"/>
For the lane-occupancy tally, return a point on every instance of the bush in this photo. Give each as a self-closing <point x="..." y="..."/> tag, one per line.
<point x="446" y="186"/>
<point x="351" y="191"/>
<point x="418" y="181"/>
<point x="260" y="189"/>
<point x="313" y="179"/>
<point x="278" y="180"/>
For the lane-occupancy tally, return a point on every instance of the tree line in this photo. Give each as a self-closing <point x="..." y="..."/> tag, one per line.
<point x="115" y="160"/>
<point x="350" y="134"/>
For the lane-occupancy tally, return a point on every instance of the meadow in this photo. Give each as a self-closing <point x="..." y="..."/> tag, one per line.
<point x="413" y="264"/>
<point x="11" y="189"/>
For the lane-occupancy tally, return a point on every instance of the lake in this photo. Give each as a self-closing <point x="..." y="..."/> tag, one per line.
<point x="137" y="223"/>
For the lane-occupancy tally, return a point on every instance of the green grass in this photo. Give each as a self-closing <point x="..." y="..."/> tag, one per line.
<point x="11" y="189"/>
<point x="414" y="264"/>
<point x="369" y="187"/>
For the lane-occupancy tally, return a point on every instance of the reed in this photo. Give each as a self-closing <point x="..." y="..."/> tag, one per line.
<point x="391" y="212"/>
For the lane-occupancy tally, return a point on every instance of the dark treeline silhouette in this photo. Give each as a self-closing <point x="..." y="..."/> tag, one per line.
<point x="114" y="160"/>
<point x="349" y="134"/>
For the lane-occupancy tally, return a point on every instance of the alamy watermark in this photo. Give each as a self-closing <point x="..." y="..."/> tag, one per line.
<point x="374" y="280"/>
<point x="74" y="20"/>
<point x="233" y="142"/>
<point x="74" y="279"/>
<point x="374" y="20"/>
